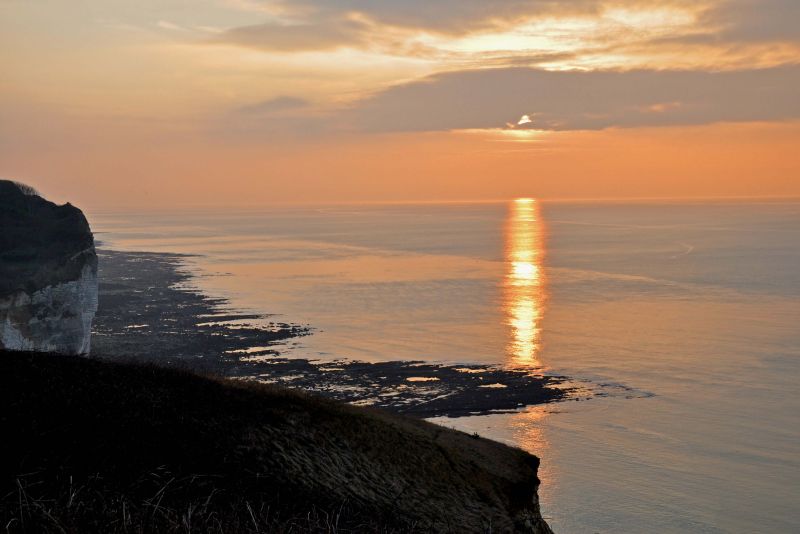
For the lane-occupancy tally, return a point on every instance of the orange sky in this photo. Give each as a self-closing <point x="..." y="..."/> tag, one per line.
<point x="115" y="103"/>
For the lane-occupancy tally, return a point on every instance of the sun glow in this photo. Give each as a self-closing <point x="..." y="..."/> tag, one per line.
<point x="520" y="135"/>
<point x="524" y="282"/>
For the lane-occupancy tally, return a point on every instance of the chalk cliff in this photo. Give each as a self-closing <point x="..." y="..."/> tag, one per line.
<point x="48" y="274"/>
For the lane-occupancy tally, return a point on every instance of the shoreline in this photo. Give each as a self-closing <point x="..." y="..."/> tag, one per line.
<point x="148" y="312"/>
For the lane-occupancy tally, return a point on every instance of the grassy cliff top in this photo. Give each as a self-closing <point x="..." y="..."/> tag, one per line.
<point x="94" y="446"/>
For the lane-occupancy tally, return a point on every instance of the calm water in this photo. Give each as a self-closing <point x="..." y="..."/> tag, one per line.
<point x="696" y="307"/>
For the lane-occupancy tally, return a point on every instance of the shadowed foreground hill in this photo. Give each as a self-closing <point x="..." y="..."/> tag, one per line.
<point x="93" y="446"/>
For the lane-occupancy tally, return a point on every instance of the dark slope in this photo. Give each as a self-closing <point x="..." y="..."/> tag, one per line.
<point x="93" y="446"/>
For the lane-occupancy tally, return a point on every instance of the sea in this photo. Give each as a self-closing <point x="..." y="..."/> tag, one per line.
<point x="681" y="318"/>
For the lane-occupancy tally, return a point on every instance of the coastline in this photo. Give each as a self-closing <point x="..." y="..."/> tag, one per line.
<point x="148" y="311"/>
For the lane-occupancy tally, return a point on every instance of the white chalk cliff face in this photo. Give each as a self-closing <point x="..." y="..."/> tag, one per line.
<point x="48" y="274"/>
<point x="56" y="318"/>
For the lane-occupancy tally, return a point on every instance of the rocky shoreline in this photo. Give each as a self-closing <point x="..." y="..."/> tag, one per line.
<point x="148" y="311"/>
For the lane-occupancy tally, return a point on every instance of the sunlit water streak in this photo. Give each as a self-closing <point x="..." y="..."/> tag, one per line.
<point x="524" y="282"/>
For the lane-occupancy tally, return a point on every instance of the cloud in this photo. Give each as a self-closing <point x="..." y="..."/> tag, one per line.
<point x="456" y="16"/>
<point x="761" y="20"/>
<point x="323" y="35"/>
<point x="393" y="26"/>
<point x="329" y="24"/>
<point x="744" y="19"/>
<point x="573" y="100"/>
<point x="279" y="117"/>
<point x="273" y="105"/>
<point x="167" y="25"/>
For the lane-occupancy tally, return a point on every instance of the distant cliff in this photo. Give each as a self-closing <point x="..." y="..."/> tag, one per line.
<point x="48" y="274"/>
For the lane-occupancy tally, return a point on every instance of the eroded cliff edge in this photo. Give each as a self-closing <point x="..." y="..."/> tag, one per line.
<point x="171" y="451"/>
<point x="48" y="274"/>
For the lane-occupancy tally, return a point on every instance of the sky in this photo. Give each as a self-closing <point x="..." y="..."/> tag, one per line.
<point x="159" y="103"/>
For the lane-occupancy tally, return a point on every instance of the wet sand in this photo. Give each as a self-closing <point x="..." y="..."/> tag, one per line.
<point x="149" y="311"/>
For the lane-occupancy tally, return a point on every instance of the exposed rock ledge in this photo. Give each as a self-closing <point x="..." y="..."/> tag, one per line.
<point x="48" y="274"/>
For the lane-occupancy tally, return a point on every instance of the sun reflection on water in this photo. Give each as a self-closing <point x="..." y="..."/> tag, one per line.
<point x="523" y="301"/>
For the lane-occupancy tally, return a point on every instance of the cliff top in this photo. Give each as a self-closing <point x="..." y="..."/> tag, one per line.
<point x="40" y="242"/>
<point x="121" y="447"/>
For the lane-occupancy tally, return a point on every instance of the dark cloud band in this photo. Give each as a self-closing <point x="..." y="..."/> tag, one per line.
<point x="575" y="100"/>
